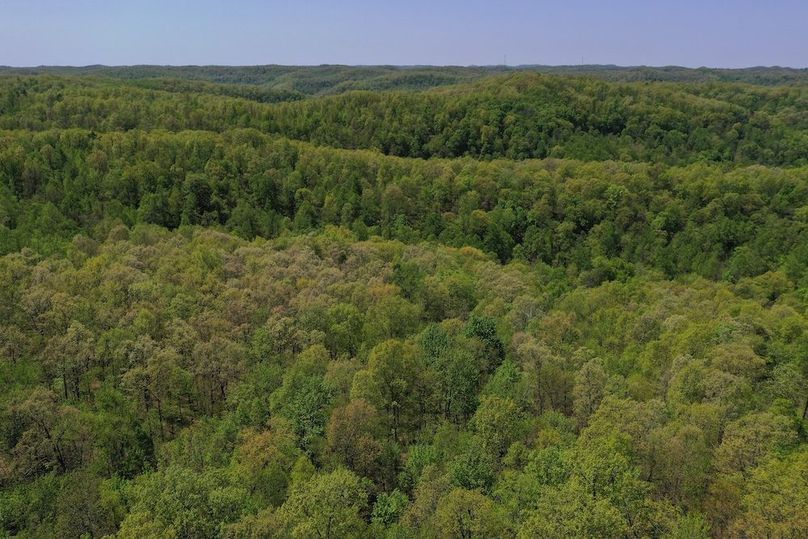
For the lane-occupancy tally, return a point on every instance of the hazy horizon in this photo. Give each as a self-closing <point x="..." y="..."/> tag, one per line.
<point x="713" y="33"/>
<point x="406" y="66"/>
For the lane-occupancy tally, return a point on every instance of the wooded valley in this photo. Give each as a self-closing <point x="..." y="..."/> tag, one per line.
<point x="403" y="302"/>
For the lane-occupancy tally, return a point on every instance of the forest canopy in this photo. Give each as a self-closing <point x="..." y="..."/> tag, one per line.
<point x="403" y="303"/>
<point x="518" y="116"/>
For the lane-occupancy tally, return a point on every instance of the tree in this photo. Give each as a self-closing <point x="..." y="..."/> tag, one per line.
<point x="51" y="437"/>
<point x="389" y="507"/>
<point x="467" y="514"/>
<point x="70" y="356"/>
<point x="683" y="468"/>
<point x="774" y="499"/>
<point x="328" y="506"/>
<point x="485" y="329"/>
<point x="545" y="375"/>
<point x="456" y="375"/>
<point x="84" y="508"/>
<point x="303" y="397"/>
<point x="124" y="448"/>
<point x="749" y="439"/>
<point x="12" y="343"/>
<point x="178" y="502"/>
<point x="587" y="392"/>
<point x="159" y="388"/>
<point x="392" y="382"/>
<point x="497" y="423"/>
<point x="352" y="436"/>
<point x="219" y="362"/>
<point x="263" y="461"/>
<point x="475" y="468"/>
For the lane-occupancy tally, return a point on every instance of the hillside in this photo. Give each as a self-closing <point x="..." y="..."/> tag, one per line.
<point x="516" y="117"/>
<point x="329" y="79"/>
<point x="403" y="302"/>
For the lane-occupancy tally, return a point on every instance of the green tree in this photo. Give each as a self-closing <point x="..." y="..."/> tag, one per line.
<point x="392" y="382"/>
<point x="328" y="506"/>
<point x="467" y="514"/>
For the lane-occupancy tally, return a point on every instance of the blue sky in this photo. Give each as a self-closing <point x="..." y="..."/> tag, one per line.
<point x="716" y="33"/>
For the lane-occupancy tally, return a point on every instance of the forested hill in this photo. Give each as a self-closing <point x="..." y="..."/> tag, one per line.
<point x="309" y="80"/>
<point x="513" y="116"/>
<point x="329" y="79"/>
<point x="535" y="116"/>
<point x="457" y="303"/>
<point x="599" y="219"/>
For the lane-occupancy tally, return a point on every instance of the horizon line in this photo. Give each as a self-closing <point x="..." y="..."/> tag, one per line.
<point x="462" y="66"/>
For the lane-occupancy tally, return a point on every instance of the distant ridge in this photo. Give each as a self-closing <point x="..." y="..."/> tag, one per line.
<point x="329" y="79"/>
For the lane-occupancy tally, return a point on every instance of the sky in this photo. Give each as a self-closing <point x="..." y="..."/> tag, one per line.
<point x="692" y="33"/>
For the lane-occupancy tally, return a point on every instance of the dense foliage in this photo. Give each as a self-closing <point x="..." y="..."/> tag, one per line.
<point x="516" y="117"/>
<point x="331" y="79"/>
<point x="214" y="324"/>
